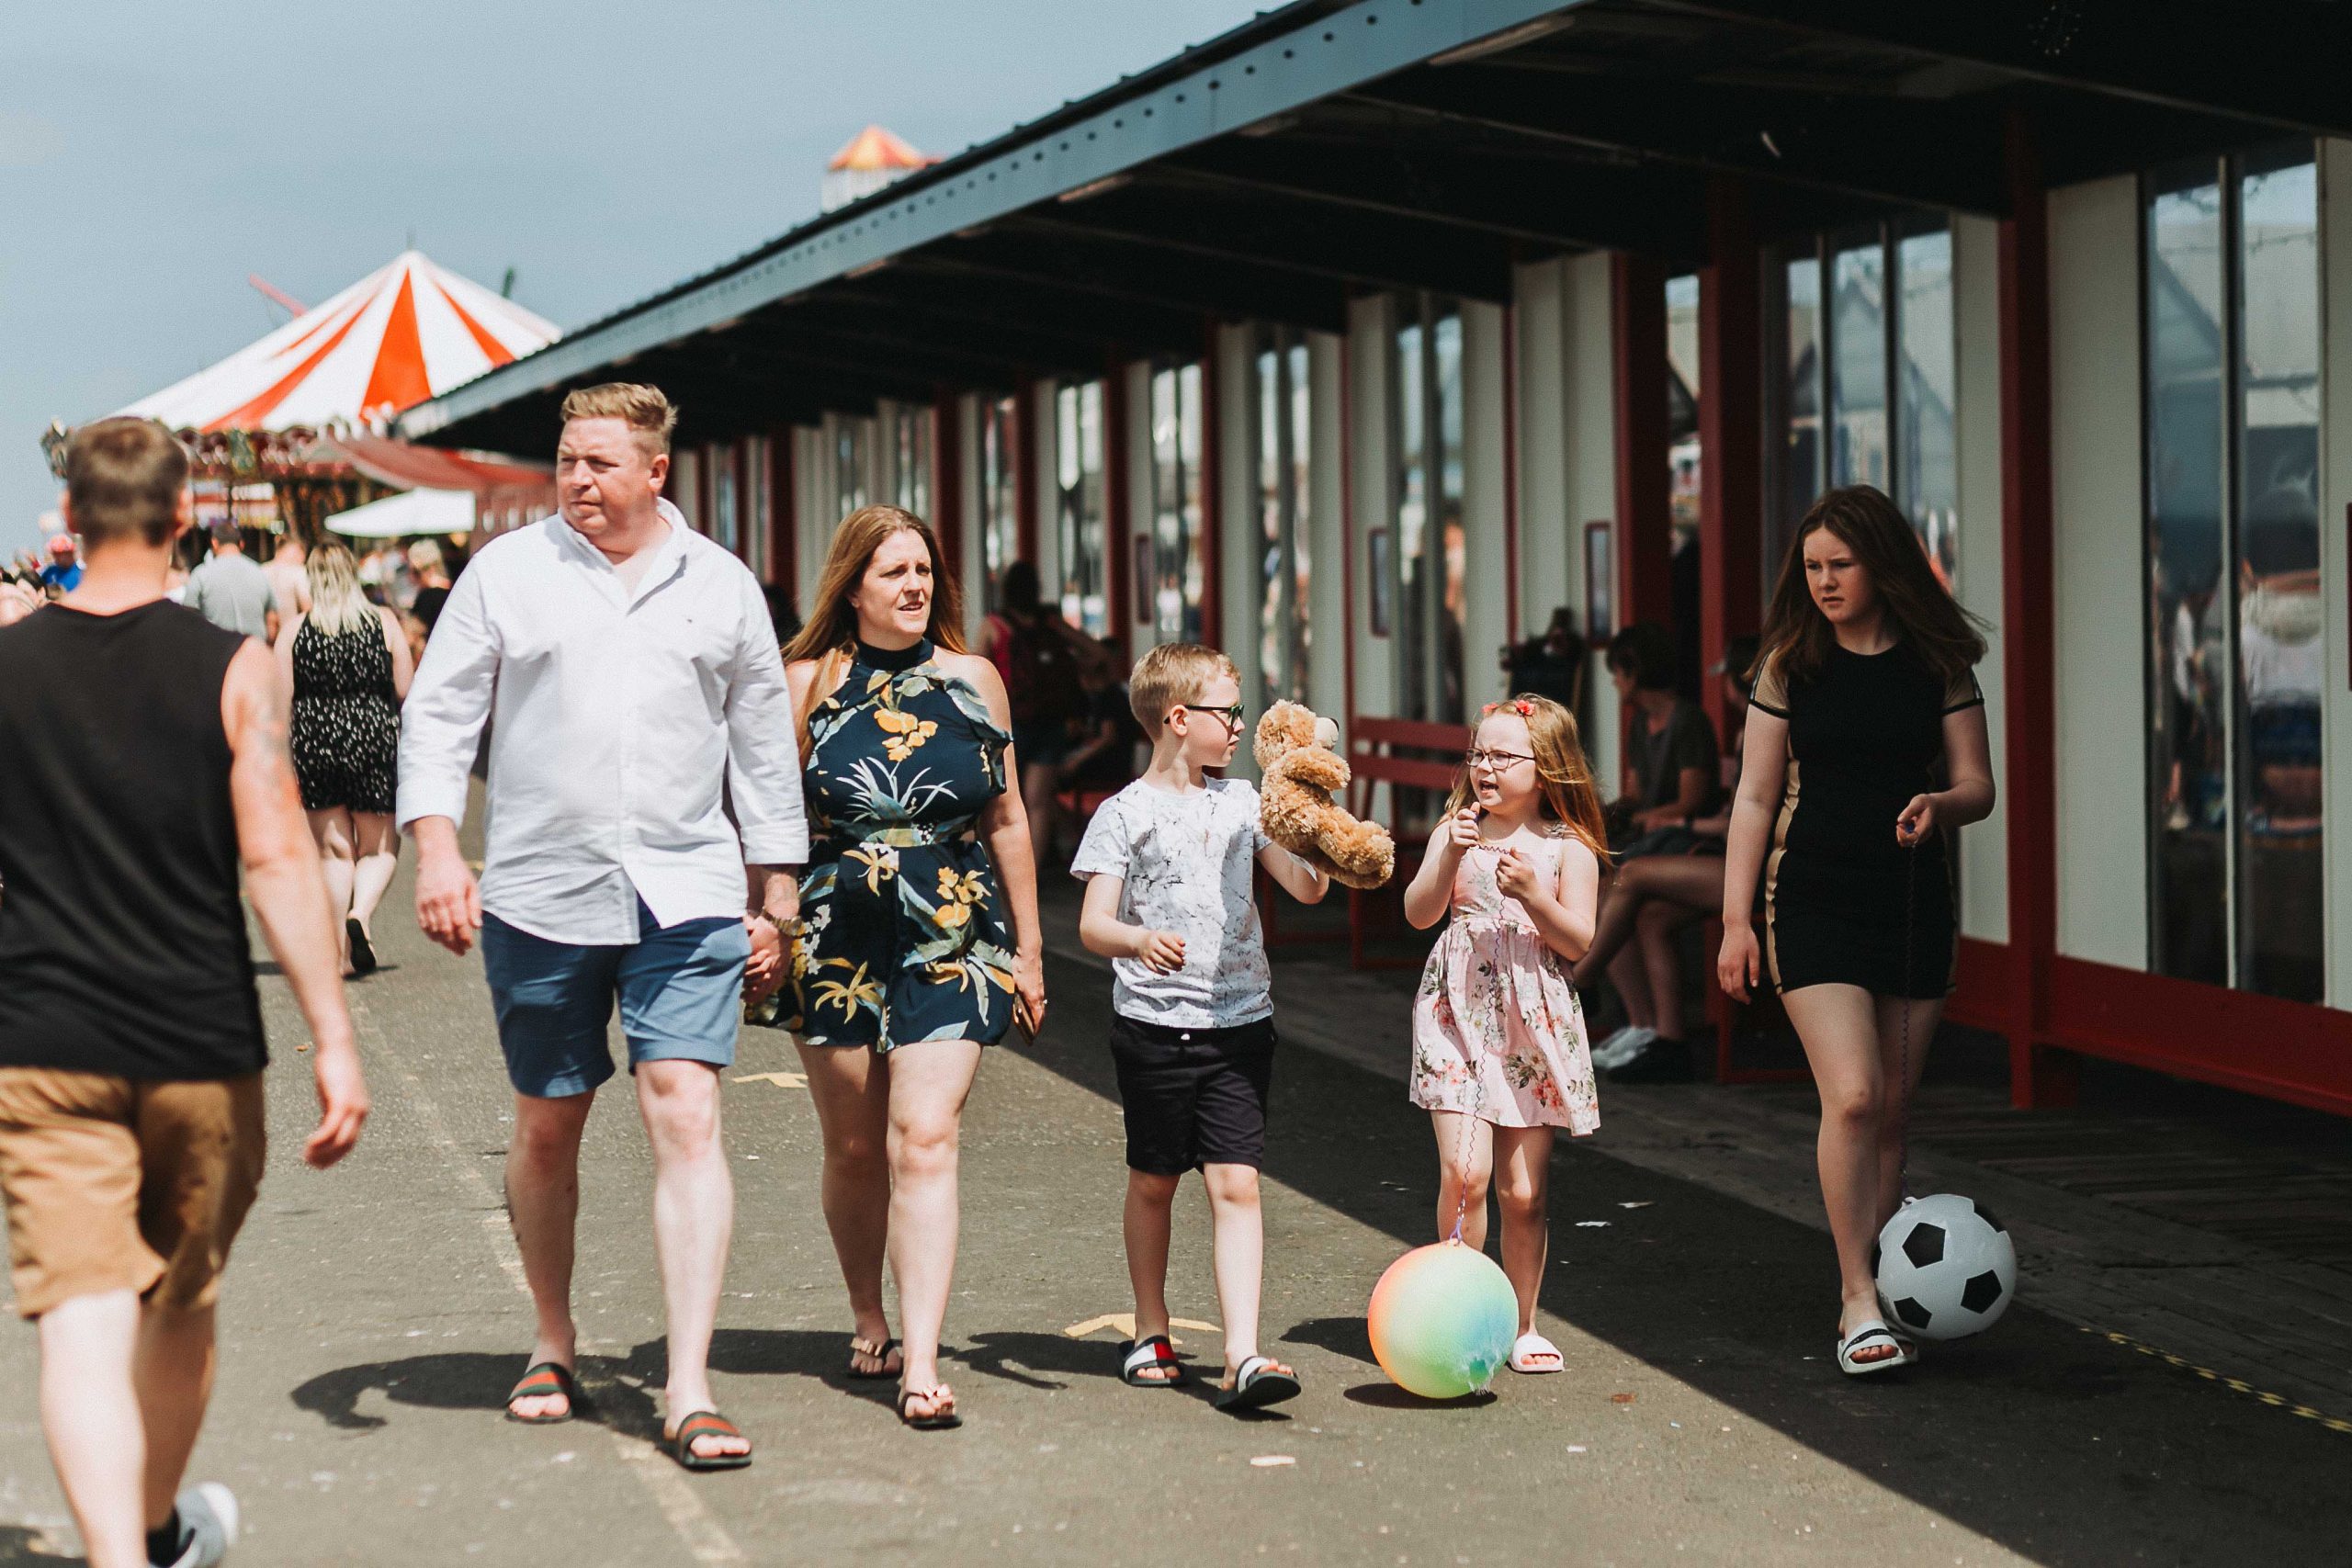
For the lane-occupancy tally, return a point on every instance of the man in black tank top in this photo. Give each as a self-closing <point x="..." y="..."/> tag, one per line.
<point x="143" y="764"/>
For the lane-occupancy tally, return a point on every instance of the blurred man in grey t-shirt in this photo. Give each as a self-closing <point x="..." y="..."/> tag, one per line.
<point x="232" y="589"/>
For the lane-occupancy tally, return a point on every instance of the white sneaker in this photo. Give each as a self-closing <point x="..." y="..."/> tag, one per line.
<point x="208" y="1515"/>
<point x="1621" y="1048"/>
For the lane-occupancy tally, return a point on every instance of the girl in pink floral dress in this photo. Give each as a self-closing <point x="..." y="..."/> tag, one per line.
<point x="1500" y="1053"/>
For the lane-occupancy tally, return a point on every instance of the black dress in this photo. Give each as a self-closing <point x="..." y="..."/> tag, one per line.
<point x="1843" y="902"/>
<point x="346" y="730"/>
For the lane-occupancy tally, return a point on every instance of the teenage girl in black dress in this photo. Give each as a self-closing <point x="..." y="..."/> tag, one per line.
<point x="1840" y="847"/>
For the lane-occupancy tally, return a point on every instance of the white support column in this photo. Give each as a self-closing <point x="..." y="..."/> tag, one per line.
<point x="1327" y="673"/>
<point x="963" y="429"/>
<point x="2101" y="569"/>
<point x="1371" y="328"/>
<point x="1976" y="334"/>
<point x="1590" y="375"/>
<point x="1485" y="581"/>
<point x="1547" y="531"/>
<point x="1044" y="448"/>
<point x="2334" y="569"/>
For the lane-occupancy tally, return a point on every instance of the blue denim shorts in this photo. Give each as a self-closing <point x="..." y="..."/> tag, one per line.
<point x="680" y="990"/>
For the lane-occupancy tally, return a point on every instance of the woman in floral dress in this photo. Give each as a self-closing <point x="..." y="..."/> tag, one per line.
<point x="918" y="941"/>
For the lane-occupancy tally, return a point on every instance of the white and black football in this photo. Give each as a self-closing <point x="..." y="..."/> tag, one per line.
<point x="1946" y="1268"/>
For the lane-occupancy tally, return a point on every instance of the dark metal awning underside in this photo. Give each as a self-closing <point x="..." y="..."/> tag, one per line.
<point x="1329" y="148"/>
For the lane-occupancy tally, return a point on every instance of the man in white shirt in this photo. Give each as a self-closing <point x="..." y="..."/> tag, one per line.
<point x="634" y="695"/>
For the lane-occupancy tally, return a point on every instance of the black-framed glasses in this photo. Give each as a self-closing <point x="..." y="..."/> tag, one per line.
<point x="1479" y="756"/>
<point x="1232" y="716"/>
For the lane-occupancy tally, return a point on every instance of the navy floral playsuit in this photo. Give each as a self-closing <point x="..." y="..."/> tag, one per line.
<point x="902" y="935"/>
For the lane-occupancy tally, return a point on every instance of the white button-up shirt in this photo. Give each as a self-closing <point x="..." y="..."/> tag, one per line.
<point x="623" y="727"/>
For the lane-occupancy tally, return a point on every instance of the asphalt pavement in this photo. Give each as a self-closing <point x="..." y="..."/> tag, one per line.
<point x="375" y="1317"/>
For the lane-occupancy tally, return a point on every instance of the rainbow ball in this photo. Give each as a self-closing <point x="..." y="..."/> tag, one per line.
<point x="1443" y="1320"/>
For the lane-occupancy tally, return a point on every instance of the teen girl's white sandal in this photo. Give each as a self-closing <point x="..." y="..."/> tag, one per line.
<point x="1869" y="1332"/>
<point x="1533" y="1353"/>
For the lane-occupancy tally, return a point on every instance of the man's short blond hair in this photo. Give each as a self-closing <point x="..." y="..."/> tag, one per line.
<point x="644" y="409"/>
<point x="1170" y="675"/>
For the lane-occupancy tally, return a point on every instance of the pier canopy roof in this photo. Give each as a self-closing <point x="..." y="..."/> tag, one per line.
<point x="393" y="339"/>
<point x="1331" y="148"/>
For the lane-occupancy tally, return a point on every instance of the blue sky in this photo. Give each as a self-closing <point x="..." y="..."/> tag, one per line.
<point x="152" y="155"/>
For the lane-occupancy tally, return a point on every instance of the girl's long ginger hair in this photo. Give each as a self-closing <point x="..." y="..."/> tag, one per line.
<point x="830" y="635"/>
<point x="1563" y="777"/>
<point x="1919" y="610"/>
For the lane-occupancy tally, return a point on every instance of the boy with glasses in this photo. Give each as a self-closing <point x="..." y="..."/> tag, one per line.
<point x="1168" y="863"/>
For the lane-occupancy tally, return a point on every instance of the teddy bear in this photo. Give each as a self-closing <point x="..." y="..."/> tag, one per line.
<point x="1299" y="758"/>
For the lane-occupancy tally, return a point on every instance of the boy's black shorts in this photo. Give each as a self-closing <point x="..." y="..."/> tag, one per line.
<point x="1193" y="1097"/>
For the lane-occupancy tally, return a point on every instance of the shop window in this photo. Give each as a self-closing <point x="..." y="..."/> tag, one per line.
<point x="1870" y="388"/>
<point x="1430" y="551"/>
<point x="1081" y="546"/>
<point x="999" y="490"/>
<point x="726" y="526"/>
<point x="853" y="440"/>
<point x="910" y="438"/>
<point x="759" y="497"/>
<point x="1177" y="568"/>
<point x="2236" y="649"/>
<point x="1285" y="633"/>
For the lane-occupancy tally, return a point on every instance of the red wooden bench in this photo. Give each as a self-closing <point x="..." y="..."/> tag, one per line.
<point x="1402" y="753"/>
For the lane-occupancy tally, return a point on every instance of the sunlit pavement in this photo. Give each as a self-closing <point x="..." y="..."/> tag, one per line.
<point x="374" y="1318"/>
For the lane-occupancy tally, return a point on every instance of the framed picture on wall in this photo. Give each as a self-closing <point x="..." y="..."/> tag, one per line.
<point x="1376" y="556"/>
<point x="1599" y="584"/>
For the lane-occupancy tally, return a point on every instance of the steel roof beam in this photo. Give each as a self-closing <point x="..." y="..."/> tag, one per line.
<point x="1349" y="247"/>
<point x="2279" y="64"/>
<point x="1081" y="328"/>
<point x="1102" y="266"/>
<point x="1914" y="152"/>
<point x="1545" y="201"/>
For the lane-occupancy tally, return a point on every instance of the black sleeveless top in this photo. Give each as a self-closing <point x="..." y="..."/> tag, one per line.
<point x="122" y="940"/>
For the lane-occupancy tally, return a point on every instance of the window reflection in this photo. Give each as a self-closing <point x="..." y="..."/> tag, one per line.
<point x="2236" y="654"/>
<point x="2280" y="617"/>
<point x="1176" y="503"/>
<point x="1927" y="478"/>
<point x="910" y="439"/>
<point x="851" y="442"/>
<point x="1432" y="548"/>
<point x="999" y="492"/>
<point x="1282" y="500"/>
<point x="1801" y="455"/>
<point x="724" y="528"/>
<point x="1078" y="486"/>
<point x="1857" y="366"/>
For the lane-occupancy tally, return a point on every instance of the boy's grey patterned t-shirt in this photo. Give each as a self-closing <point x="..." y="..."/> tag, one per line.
<point x="1187" y="862"/>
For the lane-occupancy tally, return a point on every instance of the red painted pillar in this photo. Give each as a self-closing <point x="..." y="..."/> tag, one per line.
<point x="1118" y="518"/>
<point x="1731" y="455"/>
<point x="2038" y="1075"/>
<point x="1644" y="525"/>
<point x="783" y="512"/>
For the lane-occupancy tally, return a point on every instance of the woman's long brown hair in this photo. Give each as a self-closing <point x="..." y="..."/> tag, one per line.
<point x="1562" y="773"/>
<point x="830" y="635"/>
<point x="1919" y="610"/>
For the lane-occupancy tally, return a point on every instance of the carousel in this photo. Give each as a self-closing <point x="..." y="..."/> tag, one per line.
<point x="286" y="434"/>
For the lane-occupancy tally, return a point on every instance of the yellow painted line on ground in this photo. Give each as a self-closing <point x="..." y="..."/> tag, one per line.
<point x="1124" y="1322"/>
<point x="2276" y="1401"/>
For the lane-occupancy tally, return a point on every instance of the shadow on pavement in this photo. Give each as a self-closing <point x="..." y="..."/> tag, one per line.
<point x="615" y="1391"/>
<point x="2045" y="1437"/>
<point x="21" y="1544"/>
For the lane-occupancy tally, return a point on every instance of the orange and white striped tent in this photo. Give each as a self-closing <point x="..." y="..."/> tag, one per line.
<point x="396" y="337"/>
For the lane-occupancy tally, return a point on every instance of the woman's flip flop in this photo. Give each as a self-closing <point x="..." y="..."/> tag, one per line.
<point x="704" y="1424"/>
<point x="1869" y="1332"/>
<point x="878" y="1354"/>
<point x="541" y="1381"/>
<point x="942" y="1408"/>
<point x="1531" y="1353"/>
<point x="1259" y="1381"/>
<point x="1155" y="1354"/>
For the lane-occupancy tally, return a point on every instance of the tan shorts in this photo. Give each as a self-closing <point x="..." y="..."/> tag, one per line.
<point x="115" y="1185"/>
